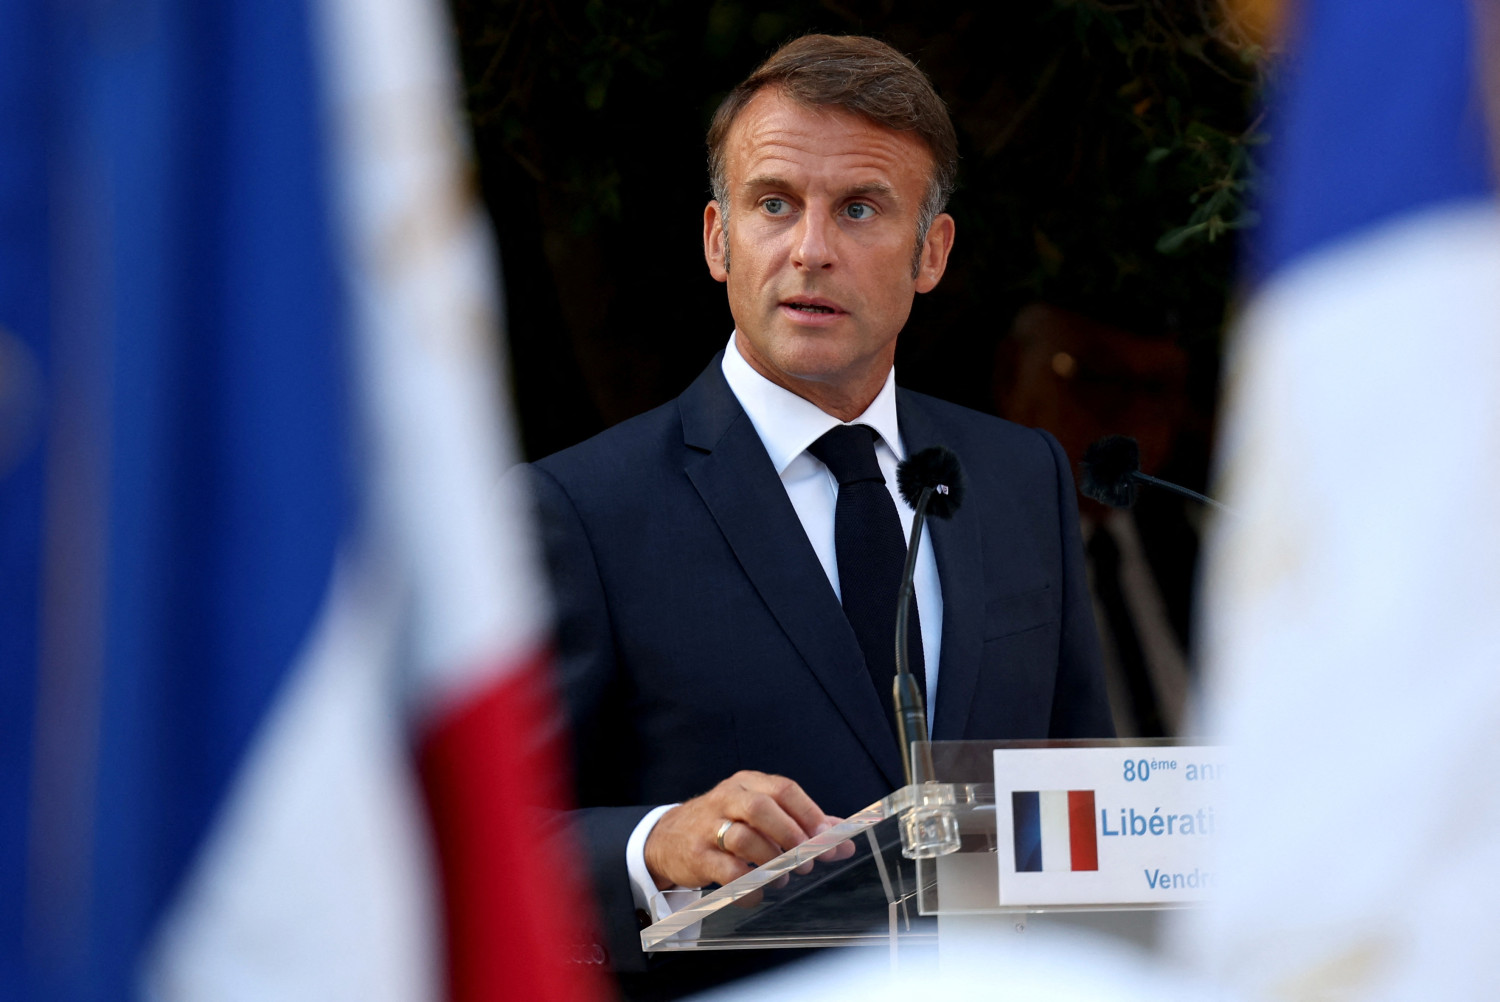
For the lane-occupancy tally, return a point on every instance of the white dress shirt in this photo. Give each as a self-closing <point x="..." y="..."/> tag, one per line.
<point x="787" y="424"/>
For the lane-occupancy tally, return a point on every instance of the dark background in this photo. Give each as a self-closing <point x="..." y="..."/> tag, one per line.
<point x="1104" y="169"/>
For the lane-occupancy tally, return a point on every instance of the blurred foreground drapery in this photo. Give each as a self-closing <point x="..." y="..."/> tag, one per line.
<point x="1352" y="632"/>
<point x="257" y="558"/>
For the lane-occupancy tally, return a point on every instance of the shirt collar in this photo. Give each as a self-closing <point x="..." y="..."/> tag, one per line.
<point x="787" y="424"/>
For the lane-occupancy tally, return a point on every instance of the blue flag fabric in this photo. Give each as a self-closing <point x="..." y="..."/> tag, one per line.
<point x="1026" y="814"/>
<point x="1341" y="606"/>
<point x="24" y="320"/>
<point x="1378" y="113"/>
<point x="167" y="270"/>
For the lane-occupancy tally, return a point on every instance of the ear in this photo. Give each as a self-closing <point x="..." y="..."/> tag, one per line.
<point x="715" y="238"/>
<point x="935" y="250"/>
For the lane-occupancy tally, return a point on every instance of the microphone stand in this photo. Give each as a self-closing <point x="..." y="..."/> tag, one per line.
<point x="1186" y="492"/>
<point x="911" y="710"/>
<point x="929" y="828"/>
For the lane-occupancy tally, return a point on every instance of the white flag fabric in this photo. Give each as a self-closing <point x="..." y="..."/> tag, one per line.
<point x="1351" y="608"/>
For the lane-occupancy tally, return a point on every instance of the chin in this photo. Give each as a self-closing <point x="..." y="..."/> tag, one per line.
<point x="815" y="363"/>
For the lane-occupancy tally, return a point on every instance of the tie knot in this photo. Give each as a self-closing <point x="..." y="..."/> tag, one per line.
<point x="849" y="453"/>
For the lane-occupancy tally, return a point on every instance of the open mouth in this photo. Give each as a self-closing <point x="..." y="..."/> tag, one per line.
<point x="810" y="308"/>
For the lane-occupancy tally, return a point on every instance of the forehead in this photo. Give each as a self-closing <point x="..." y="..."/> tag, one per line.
<point x="775" y="136"/>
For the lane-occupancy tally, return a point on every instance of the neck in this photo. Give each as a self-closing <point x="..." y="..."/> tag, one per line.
<point x="844" y="408"/>
<point x="836" y="399"/>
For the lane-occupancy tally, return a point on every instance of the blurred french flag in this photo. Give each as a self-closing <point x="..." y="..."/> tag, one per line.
<point x="274" y="718"/>
<point x="1351" y="611"/>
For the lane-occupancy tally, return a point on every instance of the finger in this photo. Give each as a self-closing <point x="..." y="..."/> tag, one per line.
<point x="807" y="867"/>
<point x="681" y="849"/>
<point x="842" y="850"/>
<point x="762" y="813"/>
<point x="721" y="868"/>
<point x="790" y="797"/>
<point x="744" y="841"/>
<point x="833" y="852"/>
<point x="750" y="900"/>
<point x="777" y="807"/>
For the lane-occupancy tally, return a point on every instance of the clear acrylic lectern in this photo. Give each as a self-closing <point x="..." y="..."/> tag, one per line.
<point x="858" y="883"/>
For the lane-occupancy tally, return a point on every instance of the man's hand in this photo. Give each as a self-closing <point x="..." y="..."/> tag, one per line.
<point x="770" y="814"/>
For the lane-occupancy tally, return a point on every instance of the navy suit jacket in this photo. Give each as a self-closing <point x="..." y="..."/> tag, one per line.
<point x="698" y="634"/>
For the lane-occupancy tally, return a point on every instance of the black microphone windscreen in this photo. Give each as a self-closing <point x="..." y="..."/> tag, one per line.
<point x="1109" y="468"/>
<point x="938" y="468"/>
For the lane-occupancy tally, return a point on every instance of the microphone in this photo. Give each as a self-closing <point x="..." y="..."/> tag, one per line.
<point x="1112" y="475"/>
<point x="932" y="483"/>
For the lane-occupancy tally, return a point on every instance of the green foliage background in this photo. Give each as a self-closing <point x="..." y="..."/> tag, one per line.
<point x="1105" y="163"/>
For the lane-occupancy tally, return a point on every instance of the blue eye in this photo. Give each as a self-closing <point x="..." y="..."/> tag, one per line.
<point x="859" y="210"/>
<point x="773" y="205"/>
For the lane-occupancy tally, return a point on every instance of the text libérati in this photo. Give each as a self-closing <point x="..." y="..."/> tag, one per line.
<point x="1132" y="823"/>
<point x="1141" y="770"/>
<point x="1200" y="822"/>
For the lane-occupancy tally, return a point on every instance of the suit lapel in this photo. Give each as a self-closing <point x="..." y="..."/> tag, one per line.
<point x="729" y="468"/>
<point x="957" y="545"/>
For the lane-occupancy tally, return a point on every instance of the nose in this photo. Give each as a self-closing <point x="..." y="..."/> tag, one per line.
<point x="813" y="245"/>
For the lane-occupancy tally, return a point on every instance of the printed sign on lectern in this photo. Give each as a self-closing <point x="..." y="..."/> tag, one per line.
<point x="1106" y="826"/>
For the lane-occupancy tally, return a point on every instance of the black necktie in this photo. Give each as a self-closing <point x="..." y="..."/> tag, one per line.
<point x="871" y="554"/>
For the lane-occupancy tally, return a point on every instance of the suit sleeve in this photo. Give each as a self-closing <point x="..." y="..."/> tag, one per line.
<point x="1080" y="703"/>
<point x="593" y="693"/>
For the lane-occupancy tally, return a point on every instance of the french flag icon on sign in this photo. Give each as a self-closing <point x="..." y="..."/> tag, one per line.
<point x="1054" y="830"/>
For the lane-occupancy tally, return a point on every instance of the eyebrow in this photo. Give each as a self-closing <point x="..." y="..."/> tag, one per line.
<point x="763" y="181"/>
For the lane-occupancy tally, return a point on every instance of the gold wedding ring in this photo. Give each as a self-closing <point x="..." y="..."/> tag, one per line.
<point x="719" y="835"/>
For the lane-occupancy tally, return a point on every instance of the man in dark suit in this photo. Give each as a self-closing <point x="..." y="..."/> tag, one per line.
<point x="706" y="620"/>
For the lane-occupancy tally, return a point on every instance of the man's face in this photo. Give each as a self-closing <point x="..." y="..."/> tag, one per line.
<point x="820" y="229"/>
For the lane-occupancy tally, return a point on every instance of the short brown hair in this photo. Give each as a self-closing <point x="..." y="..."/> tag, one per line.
<point x="860" y="75"/>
